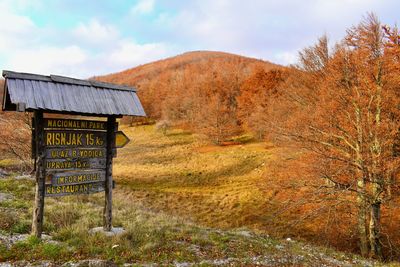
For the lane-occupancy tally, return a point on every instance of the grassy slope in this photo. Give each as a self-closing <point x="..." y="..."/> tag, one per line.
<point x="180" y="174"/>
<point x="159" y="177"/>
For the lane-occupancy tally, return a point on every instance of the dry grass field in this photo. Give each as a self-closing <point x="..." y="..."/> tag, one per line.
<point x="221" y="186"/>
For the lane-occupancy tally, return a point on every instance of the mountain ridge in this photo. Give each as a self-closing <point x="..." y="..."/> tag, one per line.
<point x="139" y="72"/>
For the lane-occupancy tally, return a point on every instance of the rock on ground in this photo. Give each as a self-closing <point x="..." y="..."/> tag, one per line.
<point x="9" y="240"/>
<point x="114" y="231"/>
<point x="5" y="196"/>
<point x="3" y="173"/>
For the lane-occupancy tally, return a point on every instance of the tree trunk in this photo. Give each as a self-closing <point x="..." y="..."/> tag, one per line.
<point x="361" y="191"/>
<point x="362" y="218"/>
<point x="374" y="231"/>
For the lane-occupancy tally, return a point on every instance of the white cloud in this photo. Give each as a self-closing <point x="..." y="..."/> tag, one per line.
<point x="48" y="60"/>
<point x="269" y="29"/>
<point x="91" y="48"/>
<point x="128" y="53"/>
<point x="23" y="46"/>
<point x="143" y="7"/>
<point x="286" y="58"/>
<point x="77" y="62"/>
<point x="15" y="30"/>
<point x="95" y="32"/>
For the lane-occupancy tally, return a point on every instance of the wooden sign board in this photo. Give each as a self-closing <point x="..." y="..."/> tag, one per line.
<point x="69" y="178"/>
<point x="74" y="164"/>
<point x="74" y="124"/>
<point x="74" y="189"/>
<point x="81" y="153"/>
<point x="74" y="138"/>
<point x="76" y="156"/>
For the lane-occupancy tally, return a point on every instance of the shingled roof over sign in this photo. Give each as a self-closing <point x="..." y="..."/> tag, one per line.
<point x="68" y="95"/>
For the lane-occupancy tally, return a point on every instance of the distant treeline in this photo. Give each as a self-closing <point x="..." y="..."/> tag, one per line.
<point x="217" y="94"/>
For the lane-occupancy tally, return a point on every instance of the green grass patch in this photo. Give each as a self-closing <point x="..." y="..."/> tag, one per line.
<point x="8" y="163"/>
<point x="33" y="249"/>
<point x="22" y="226"/>
<point x="23" y="189"/>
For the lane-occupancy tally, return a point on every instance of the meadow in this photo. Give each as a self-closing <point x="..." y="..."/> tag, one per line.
<point x="180" y="199"/>
<point x="186" y="176"/>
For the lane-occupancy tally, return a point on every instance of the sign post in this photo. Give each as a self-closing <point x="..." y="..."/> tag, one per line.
<point x="107" y="213"/>
<point x="74" y="157"/>
<point x="37" y="221"/>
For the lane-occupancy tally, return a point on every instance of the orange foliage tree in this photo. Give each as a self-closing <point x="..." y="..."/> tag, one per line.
<point x="344" y="109"/>
<point x="256" y="93"/>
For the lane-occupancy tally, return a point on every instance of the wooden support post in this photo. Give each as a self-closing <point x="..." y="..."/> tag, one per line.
<point x="107" y="214"/>
<point x="38" y="209"/>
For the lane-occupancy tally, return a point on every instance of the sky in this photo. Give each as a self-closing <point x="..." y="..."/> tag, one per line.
<point x="95" y="37"/>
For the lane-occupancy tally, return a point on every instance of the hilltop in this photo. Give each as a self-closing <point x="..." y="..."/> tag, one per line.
<point x="137" y="76"/>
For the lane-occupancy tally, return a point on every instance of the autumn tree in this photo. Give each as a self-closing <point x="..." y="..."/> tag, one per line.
<point x="343" y="108"/>
<point x="255" y="94"/>
<point x="217" y="113"/>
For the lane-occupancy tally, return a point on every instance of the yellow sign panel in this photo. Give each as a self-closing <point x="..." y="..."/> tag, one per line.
<point x="74" y="189"/>
<point x="74" y="124"/>
<point x="81" y="153"/>
<point x="121" y="139"/>
<point x="66" y="178"/>
<point x="79" y="164"/>
<point x="74" y="138"/>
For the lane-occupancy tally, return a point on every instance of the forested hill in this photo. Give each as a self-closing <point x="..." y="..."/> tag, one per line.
<point x="208" y="92"/>
<point x="196" y="59"/>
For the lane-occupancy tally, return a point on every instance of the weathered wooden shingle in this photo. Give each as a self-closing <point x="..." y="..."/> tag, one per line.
<point x="63" y="94"/>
